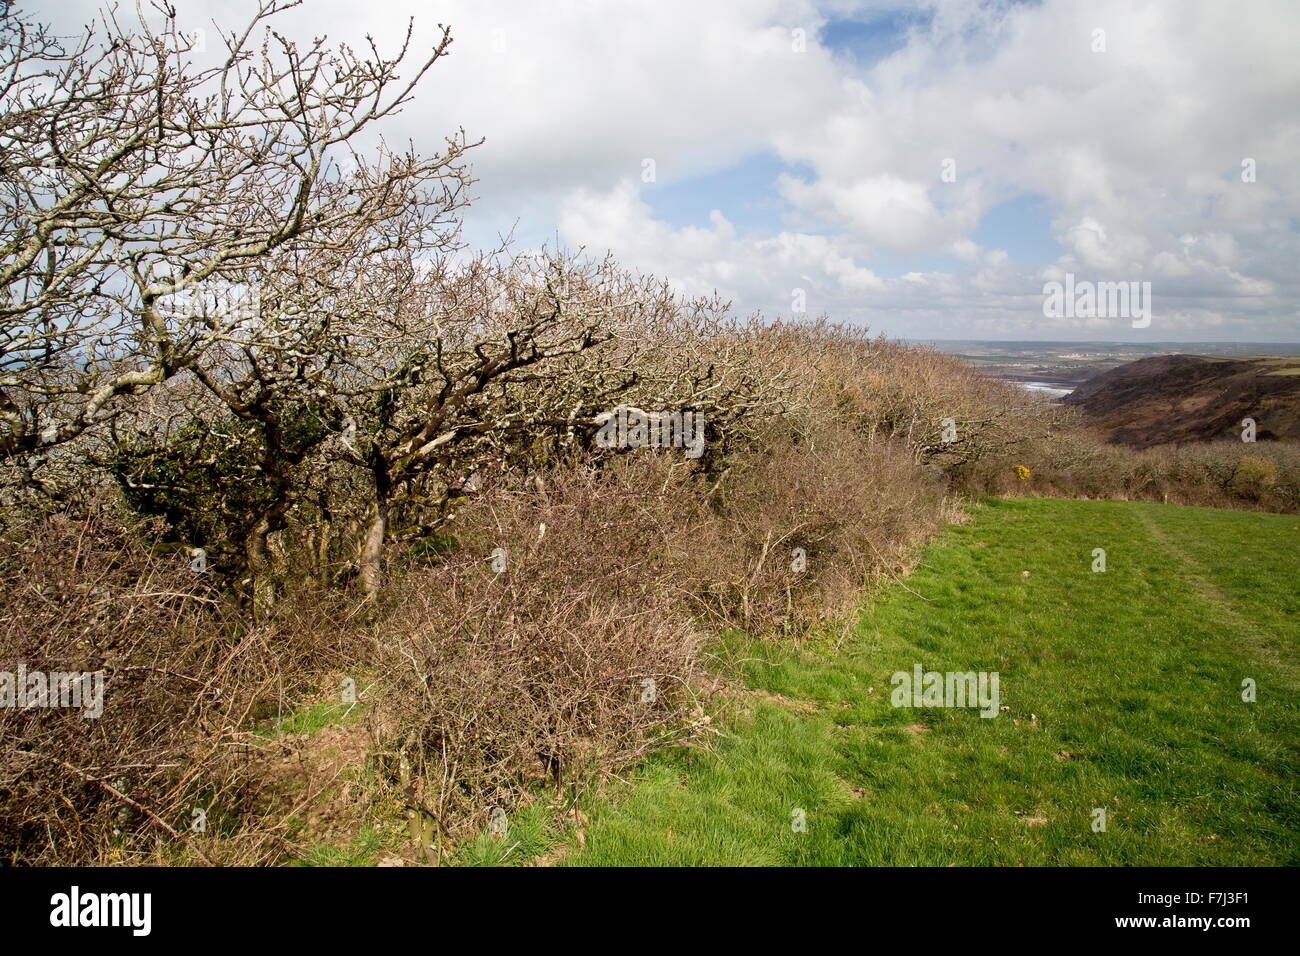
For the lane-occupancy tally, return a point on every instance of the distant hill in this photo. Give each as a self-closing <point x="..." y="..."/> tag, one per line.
<point x="1189" y="398"/>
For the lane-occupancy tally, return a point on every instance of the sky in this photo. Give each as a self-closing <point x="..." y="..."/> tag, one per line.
<point x="921" y="168"/>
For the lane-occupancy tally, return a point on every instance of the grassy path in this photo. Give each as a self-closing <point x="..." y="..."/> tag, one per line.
<point x="1122" y="689"/>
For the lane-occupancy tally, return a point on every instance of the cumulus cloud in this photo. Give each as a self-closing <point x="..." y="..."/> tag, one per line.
<point x="701" y="260"/>
<point x="1138" y="150"/>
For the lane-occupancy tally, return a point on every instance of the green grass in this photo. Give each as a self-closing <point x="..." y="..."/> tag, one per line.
<point x="530" y="832"/>
<point x="1123" y="689"/>
<point x="364" y="850"/>
<point x="311" y="718"/>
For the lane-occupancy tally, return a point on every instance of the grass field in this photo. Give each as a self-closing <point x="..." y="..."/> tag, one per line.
<point x="1120" y="690"/>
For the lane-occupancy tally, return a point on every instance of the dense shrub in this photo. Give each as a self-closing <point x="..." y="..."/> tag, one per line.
<point x="587" y="647"/>
<point x="577" y="655"/>
<point x="614" y="575"/>
<point x="187" y="683"/>
<point x="87" y="596"/>
<point x="1073" y="462"/>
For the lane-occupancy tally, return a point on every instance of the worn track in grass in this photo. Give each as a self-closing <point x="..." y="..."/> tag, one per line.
<point x="1123" y="689"/>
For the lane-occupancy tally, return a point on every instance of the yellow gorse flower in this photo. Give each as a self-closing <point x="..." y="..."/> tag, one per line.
<point x="1022" y="472"/>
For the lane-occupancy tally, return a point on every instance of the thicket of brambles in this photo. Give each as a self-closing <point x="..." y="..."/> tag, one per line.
<point x="268" y="430"/>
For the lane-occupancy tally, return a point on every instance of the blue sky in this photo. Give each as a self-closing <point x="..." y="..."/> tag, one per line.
<point x="872" y="35"/>
<point x="746" y="193"/>
<point x="801" y="145"/>
<point x="1023" y="227"/>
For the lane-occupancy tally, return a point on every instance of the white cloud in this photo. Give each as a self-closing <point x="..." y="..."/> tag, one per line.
<point x="1138" y="151"/>
<point x="702" y="260"/>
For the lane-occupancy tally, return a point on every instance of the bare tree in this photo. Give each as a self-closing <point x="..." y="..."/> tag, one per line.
<point x="137" y="186"/>
<point x="434" y="372"/>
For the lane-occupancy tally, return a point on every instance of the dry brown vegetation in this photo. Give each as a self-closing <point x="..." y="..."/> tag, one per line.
<point x="388" y="474"/>
<point x="479" y="685"/>
<point x="1076" y="462"/>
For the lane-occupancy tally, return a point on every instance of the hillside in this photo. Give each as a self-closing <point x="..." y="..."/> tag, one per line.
<point x="1189" y="398"/>
<point x="1119" y="690"/>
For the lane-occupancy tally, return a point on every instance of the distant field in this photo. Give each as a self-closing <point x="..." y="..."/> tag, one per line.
<point x="1123" y="689"/>
<point x="1069" y="363"/>
<point x="1279" y="360"/>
